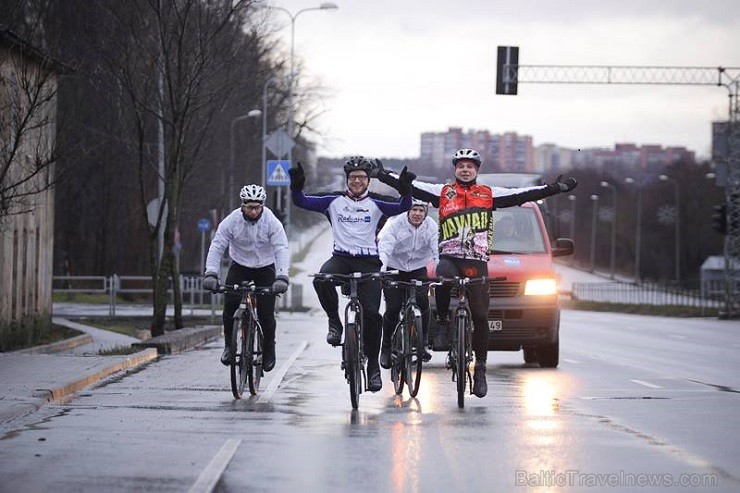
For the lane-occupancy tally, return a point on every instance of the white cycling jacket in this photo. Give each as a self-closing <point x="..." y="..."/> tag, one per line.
<point x="251" y="244"/>
<point x="404" y="247"/>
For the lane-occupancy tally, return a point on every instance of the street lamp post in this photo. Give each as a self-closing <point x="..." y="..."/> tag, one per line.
<point x="677" y="239"/>
<point x="638" y="227"/>
<point x="293" y="17"/>
<point x="251" y="114"/>
<point x="613" y="252"/>
<point x="594" y="214"/>
<point x="572" y="199"/>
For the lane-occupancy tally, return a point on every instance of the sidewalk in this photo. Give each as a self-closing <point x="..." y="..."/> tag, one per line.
<point x="31" y="378"/>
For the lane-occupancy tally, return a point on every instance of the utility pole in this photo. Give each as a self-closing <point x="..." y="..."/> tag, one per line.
<point x="509" y="74"/>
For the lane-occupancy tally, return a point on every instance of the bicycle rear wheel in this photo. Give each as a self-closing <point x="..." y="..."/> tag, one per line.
<point x="239" y="363"/>
<point x="398" y="363"/>
<point x="461" y="363"/>
<point x="414" y="353"/>
<point x="352" y="364"/>
<point x="254" y="352"/>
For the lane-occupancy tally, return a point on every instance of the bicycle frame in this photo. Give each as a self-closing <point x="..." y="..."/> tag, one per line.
<point x="353" y="350"/>
<point x="247" y="338"/>
<point x="406" y="364"/>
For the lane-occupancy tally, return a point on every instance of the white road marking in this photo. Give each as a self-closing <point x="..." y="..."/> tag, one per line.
<point x="567" y="360"/>
<point x="270" y="390"/>
<point x="213" y="471"/>
<point x="647" y="384"/>
<point x="676" y="336"/>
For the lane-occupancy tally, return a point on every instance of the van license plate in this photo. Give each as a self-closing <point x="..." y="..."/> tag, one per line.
<point x="495" y="325"/>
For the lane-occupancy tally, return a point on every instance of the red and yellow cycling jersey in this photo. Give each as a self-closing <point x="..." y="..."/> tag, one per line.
<point x="465" y="221"/>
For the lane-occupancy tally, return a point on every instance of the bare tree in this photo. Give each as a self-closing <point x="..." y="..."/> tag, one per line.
<point x="28" y="149"/>
<point x="175" y="62"/>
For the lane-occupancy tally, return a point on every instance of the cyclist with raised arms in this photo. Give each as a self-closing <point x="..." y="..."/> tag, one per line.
<point x="259" y="252"/>
<point x="466" y="240"/>
<point x="406" y="244"/>
<point x="356" y="215"/>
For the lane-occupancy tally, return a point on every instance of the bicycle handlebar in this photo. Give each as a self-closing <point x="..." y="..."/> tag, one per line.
<point x="358" y="276"/>
<point x="462" y="281"/>
<point x="245" y="287"/>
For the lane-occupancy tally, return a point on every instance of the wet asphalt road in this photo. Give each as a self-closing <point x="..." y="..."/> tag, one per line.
<point x="635" y="400"/>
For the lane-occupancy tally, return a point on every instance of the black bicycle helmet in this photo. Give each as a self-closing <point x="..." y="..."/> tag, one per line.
<point x="357" y="163"/>
<point x="470" y="154"/>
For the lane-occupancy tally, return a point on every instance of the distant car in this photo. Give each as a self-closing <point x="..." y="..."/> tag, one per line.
<point x="524" y="312"/>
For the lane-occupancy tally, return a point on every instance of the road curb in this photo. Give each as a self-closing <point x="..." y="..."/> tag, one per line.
<point x="59" y="346"/>
<point x="132" y="361"/>
<point x="176" y="341"/>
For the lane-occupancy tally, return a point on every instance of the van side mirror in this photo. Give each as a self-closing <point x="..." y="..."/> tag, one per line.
<point x="563" y="247"/>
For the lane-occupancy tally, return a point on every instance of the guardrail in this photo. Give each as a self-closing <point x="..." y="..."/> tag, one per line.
<point x="707" y="294"/>
<point x="191" y="288"/>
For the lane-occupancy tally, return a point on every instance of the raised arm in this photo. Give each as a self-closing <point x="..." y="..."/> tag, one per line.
<point x="509" y="197"/>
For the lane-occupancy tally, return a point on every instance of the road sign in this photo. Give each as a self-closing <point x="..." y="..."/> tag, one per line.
<point x="277" y="173"/>
<point x="507" y="66"/>
<point x="279" y="143"/>
<point x="204" y="225"/>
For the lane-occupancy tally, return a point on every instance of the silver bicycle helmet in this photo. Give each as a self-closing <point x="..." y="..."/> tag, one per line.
<point x="252" y="193"/>
<point x="465" y="153"/>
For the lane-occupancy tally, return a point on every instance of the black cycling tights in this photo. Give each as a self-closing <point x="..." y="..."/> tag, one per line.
<point x="262" y="277"/>
<point x="477" y="297"/>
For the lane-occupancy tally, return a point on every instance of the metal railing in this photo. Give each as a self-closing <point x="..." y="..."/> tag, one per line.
<point x="707" y="294"/>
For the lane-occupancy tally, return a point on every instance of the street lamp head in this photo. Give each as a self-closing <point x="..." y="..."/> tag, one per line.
<point x="594" y="197"/>
<point x="572" y="197"/>
<point x="629" y="179"/>
<point x="711" y="175"/>
<point x="606" y="184"/>
<point x="663" y="178"/>
<point x="328" y="6"/>
<point x="254" y="113"/>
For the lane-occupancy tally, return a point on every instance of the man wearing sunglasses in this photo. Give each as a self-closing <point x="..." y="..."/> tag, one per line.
<point x="356" y="215"/>
<point x="259" y="252"/>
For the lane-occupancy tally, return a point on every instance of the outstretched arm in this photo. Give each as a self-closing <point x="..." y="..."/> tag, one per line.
<point x="428" y="192"/>
<point x="509" y="197"/>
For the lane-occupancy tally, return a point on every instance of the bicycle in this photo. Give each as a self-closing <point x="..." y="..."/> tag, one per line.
<point x="461" y="352"/>
<point x="353" y="352"/>
<point x="407" y="344"/>
<point x="247" y="339"/>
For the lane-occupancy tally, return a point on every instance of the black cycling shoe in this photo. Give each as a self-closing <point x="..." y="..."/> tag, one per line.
<point x="227" y="357"/>
<point x="480" y="387"/>
<point x="385" y="357"/>
<point x="425" y="355"/>
<point x="334" y="336"/>
<point x="374" y="382"/>
<point x="268" y="358"/>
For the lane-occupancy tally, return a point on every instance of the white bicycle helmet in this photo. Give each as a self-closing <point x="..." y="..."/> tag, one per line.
<point x="252" y="193"/>
<point x="466" y="153"/>
<point x="420" y="203"/>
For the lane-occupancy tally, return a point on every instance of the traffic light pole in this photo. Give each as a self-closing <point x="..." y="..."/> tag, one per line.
<point x="510" y="74"/>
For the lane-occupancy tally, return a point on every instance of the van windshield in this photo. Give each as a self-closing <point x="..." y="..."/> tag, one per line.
<point x="516" y="230"/>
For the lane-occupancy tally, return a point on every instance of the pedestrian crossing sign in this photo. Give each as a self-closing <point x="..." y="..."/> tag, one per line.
<point x="277" y="173"/>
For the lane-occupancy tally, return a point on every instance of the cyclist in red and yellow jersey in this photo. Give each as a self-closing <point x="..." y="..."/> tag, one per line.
<point x="466" y="240"/>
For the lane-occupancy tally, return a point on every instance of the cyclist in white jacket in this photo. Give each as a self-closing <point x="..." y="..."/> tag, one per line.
<point x="406" y="244"/>
<point x="259" y="252"/>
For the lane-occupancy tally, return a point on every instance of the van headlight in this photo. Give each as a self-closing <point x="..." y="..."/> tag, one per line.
<point x="540" y="287"/>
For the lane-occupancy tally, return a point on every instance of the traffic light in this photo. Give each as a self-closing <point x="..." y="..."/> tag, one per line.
<point x="719" y="218"/>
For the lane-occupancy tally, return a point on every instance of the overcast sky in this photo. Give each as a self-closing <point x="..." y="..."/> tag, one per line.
<point x="396" y="68"/>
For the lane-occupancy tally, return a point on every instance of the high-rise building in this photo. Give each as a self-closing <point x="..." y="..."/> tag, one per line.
<point x="509" y="152"/>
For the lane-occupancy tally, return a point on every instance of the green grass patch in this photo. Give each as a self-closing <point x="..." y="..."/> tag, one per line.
<point x="657" y="310"/>
<point x="119" y="351"/>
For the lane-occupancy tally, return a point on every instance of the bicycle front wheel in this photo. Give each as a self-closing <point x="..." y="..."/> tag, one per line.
<point x="239" y="363"/>
<point x="352" y="363"/>
<point x="461" y="363"/>
<point x="254" y="350"/>
<point x="414" y="354"/>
